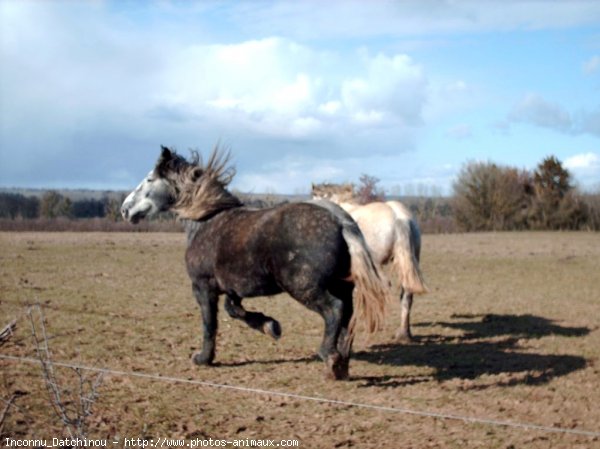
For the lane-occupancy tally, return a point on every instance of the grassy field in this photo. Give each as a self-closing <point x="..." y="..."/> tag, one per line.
<point x="509" y="332"/>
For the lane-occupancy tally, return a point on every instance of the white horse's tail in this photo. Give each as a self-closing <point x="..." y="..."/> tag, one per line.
<point x="406" y="256"/>
<point x="371" y="294"/>
<point x="371" y="288"/>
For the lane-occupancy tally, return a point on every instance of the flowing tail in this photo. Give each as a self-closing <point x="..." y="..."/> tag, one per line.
<point x="406" y="257"/>
<point x="371" y="289"/>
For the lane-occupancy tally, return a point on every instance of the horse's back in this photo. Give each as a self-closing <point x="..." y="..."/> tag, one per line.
<point x="246" y="250"/>
<point x="400" y="210"/>
<point x="393" y="236"/>
<point x="374" y="218"/>
<point x="376" y="222"/>
<point x="303" y="245"/>
<point x="307" y="231"/>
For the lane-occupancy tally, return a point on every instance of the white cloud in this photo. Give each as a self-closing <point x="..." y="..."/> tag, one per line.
<point x="280" y="88"/>
<point x="286" y="90"/>
<point x="330" y="107"/>
<point x="586" y="168"/>
<point x="102" y="86"/>
<point x="253" y="77"/>
<point x="583" y="161"/>
<point x="296" y="173"/>
<point x="393" y="87"/>
<point x="140" y="87"/>
<point x="534" y="109"/>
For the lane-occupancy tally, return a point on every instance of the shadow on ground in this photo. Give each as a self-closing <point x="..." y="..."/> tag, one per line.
<point x="517" y="326"/>
<point x="490" y="345"/>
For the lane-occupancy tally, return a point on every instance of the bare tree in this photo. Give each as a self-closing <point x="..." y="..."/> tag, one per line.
<point x="368" y="190"/>
<point x="72" y="406"/>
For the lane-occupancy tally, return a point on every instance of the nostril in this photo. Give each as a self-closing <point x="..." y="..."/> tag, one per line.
<point x="125" y="213"/>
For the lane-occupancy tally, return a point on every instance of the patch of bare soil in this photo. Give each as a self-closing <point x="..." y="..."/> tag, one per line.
<point x="508" y="333"/>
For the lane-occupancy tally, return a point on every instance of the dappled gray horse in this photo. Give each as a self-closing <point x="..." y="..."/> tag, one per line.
<point x="316" y="254"/>
<point x="394" y="240"/>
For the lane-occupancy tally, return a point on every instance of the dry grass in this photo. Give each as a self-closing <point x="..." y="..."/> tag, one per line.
<point x="509" y="331"/>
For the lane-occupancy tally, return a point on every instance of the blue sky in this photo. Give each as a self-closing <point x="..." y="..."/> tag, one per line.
<point x="407" y="91"/>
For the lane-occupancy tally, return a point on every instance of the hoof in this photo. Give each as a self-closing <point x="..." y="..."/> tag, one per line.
<point x="272" y="328"/>
<point x="202" y="359"/>
<point x="337" y="367"/>
<point x="404" y="337"/>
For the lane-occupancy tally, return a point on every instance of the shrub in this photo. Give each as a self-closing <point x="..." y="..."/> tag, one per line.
<point x="555" y="204"/>
<point x="490" y="197"/>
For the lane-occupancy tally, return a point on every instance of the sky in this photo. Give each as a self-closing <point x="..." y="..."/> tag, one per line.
<point x="301" y="92"/>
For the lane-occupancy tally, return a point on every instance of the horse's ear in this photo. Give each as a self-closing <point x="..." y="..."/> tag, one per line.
<point x="165" y="153"/>
<point x="165" y="156"/>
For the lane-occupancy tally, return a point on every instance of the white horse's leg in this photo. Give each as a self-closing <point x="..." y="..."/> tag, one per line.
<point x="403" y="334"/>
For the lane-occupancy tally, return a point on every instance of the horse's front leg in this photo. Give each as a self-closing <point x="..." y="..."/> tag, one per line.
<point x="255" y="320"/>
<point x="207" y="299"/>
<point x="404" y="335"/>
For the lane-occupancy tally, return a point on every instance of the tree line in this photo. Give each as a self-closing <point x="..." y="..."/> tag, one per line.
<point x="491" y="197"/>
<point x="485" y="197"/>
<point x="54" y="205"/>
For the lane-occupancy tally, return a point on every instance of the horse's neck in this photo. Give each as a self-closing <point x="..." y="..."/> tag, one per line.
<point x="191" y="228"/>
<point x="201" y="200"/>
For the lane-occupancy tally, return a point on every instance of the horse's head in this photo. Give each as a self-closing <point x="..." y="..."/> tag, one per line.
<point x="156" y="193"/>
<point x="192" y="190"/>
<point x="337" y="193"/>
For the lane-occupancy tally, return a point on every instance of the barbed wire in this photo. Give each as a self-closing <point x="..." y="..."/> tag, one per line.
<point x="383" y="408"/>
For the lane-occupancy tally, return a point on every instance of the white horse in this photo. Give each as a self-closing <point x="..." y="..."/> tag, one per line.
<point x="393" y="238"/>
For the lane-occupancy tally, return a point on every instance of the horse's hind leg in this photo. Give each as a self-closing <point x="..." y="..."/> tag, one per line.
<point x="332" y="310"/>
<point x="343" y="290"/>
<point x="256" y="320"/>
<point x="207" y="300"/>
<point x="404" y="335"/>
